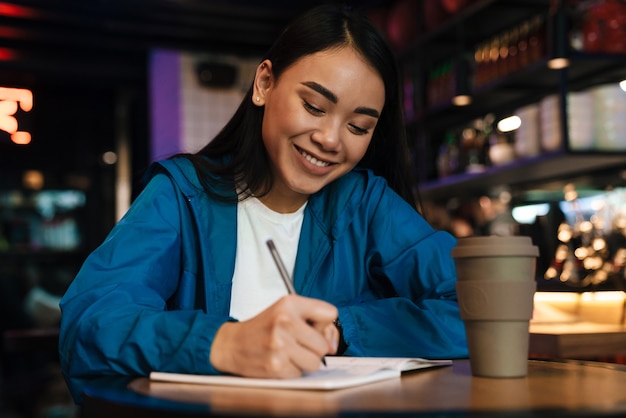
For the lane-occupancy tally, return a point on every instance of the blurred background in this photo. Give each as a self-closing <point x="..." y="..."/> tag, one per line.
<point x="514" y="114"/>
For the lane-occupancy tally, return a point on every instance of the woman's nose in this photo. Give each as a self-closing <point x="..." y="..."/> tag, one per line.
<point x="328" y="136"/>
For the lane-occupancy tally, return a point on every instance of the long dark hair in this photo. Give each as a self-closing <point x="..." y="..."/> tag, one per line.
<point x="237" y="153"/>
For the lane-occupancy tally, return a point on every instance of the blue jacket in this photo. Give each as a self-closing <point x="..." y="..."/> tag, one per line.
<point x="154" y="293"/>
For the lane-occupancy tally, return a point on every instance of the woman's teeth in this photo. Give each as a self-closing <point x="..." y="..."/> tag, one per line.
<point x="314" y="160"/>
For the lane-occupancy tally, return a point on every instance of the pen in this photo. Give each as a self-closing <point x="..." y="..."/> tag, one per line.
<point x="281" y="267"/>
<point x="283" y="273"/>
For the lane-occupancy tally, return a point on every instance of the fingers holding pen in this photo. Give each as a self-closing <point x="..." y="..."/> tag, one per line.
<point x="311" y="323"/>
<point x="321" y="318"/>
<point x="285" y="340"/>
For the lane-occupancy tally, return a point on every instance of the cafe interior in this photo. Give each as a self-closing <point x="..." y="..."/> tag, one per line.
<point x="514" y="112"/>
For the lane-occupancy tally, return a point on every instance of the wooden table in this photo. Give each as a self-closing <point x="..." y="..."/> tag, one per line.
<point x="577" y="340"/>
<point x="552" y="388"/>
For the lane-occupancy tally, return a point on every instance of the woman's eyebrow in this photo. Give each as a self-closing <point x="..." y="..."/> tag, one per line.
<point x="367" y="111"/>
<point x="333" y="98"/>
<point x="322" y="90"/>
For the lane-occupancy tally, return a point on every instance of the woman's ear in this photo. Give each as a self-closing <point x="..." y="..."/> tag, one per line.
<point x="262" y="82"/>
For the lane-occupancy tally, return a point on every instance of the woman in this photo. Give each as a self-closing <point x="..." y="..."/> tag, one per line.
<point x="316" y="159"/>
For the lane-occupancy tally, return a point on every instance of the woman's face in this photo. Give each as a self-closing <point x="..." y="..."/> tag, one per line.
<point x="318" y="121"/>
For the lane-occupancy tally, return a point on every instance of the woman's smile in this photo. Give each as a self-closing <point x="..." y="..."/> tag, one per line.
<point x="314" y="160"/>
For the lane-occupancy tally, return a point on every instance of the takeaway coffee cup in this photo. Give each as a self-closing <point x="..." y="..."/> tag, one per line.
<point x="495" y="288"/>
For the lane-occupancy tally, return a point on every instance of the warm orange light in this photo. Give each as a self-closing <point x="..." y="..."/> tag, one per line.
<point x="21" y="137"/>
<point x="7" y="109"/>
<point x="23" y="96"/>
<point x="462" y="100"/>
<point x="9" y="100"/>
<point x="33" y="179"/>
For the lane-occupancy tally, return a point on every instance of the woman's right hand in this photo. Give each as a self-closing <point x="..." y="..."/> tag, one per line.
<point x="285" y="340"/>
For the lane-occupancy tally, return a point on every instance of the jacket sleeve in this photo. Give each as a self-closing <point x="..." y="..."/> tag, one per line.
<point x="115" y="317"/>
<point x="409" y="308"/>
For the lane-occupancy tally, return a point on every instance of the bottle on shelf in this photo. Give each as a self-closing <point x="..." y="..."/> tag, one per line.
<point x="474" y="145"/>
<point x="536" y="39"/>
<point x="440" y="89"/>
<point x="501" y="150"/>
<point x="510" y="51"/>
<point x="448" y="157"/>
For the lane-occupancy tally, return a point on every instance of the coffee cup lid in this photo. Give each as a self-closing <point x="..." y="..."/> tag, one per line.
<point x="494" y="246"/>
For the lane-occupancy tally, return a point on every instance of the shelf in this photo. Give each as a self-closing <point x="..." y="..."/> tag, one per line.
<point x="526" y="86"/>
<point x="521" y="173"/>
<point x="473" y="24"/>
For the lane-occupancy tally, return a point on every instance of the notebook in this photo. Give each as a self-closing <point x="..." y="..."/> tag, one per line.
<point x="339" y="372"/>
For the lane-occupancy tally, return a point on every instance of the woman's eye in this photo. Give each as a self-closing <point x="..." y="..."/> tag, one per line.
<point x="314" y="110"/>
<point x="359" y="131"/>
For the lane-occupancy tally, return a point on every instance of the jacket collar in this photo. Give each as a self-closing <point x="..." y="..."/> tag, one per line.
<point x="327" y="215"/>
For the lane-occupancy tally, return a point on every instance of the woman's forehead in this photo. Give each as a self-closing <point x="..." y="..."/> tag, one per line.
<point x="341" y="58"/>
<point x="344" y="72"/>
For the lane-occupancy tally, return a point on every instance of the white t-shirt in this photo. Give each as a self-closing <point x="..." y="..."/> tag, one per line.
<point x="256" y="280"/>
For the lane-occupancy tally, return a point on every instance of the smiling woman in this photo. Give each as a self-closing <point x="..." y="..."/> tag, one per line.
<point x="315" y="158"/>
